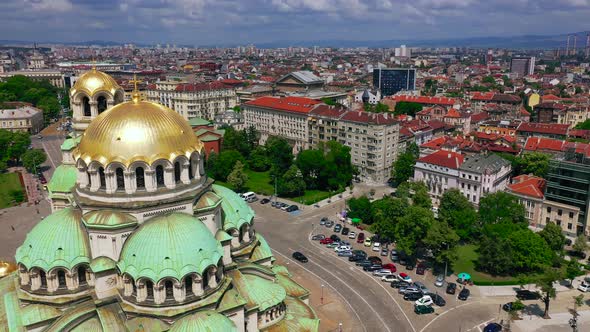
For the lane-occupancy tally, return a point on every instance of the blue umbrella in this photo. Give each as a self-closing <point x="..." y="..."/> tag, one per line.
<point x="464" y="276"/>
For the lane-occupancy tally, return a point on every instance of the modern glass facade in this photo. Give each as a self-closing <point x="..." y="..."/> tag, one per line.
<point x="393" y="80"/>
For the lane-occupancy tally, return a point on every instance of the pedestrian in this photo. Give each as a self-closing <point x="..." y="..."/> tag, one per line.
<point x="12" y="227"/>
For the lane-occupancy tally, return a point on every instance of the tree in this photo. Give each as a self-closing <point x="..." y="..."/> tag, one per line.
<point x="407" y="107"/>
<point x="546" y="281"/>
<point x="210" y="164"/>
<point x="50" y="106"/>
<point x="291" y="183"/>
<point x="224" y="164"/>
<point x="280" y="154"/>
<point x="580" y="244"/>
<point x="442" y="240"/>
<point x="237" y="178"/>
<point x="459" y="213"/>
<point x="529" y="251"/>
<point x="584" y="125"/>
<point x="258" y="160"/>
<point x="33" y="158"/>
<point x="535" y="163"/>
<point x="501" y="209"/>
<point x="360" y="208"/>
<point x="19" y="145"/>
<point x="488" y="80"/>
<point x="553" y="236"/>
<point x="385" y="212"/>
<point x="572" y="270"/>
<point x="421" y="196"/>
<point x="411" y="229"/>
<point x="311" y="163"/>
<point x="490" y="261"/>
<point x="403" y="167"/>
<point x="337" y="170"/>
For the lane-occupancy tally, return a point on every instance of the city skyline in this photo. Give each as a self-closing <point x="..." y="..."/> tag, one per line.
<point x="205" y="22"/>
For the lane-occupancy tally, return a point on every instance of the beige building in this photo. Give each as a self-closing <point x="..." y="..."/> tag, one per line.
<point x="193" y="100"/>
<point x="55" y="77"/>
<point x="563" y="215"/>
<point x="572" y="116"/>
<point x="22" y="118"/>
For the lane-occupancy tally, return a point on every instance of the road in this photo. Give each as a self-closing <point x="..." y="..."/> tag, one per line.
<point x="373" y="302"/>
<point x="51" y="143"/>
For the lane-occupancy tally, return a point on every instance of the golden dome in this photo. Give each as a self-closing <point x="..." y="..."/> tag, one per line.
<point x="137" y="130"/>
<point x="94" y="81"/>
<point x="6" y="268"/>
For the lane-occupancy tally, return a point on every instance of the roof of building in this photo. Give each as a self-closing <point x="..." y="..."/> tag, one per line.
<point x="482" y="96"/>
<point x="544" y="128"/>
<point x="443" y="158"/>
<point x="304" y="76"/>
<point x="542" y="143"/>
<point x="63" y="179"/>
<point x="299" y="317"/>
<point x="193" y="122"/>
<point x="19" y="113"/>
<point x="108" y="219"/>
<point x="204" y="321"/>
<point x="484" y="163"/>
<point x="258" y="291"/>
<point x="452" y="113"/>
<point x="426" y="100"/>
<point x="57" y="240"/>
<point x="369" y="117"/>
<point x="102" y="263"/>
<point x="70" y="143"/>
<point x="506" y="98"/>
<point x="194" y="87"/>
<point x="528" y="185"/>
<point x="289" y="104"/>
<point x="262" y="250"/>
<point x="207" y="201"/>
<point x="237" y="211"/>
<point x="172" y="245"/>
<point x="479" y="117"/>
<point x="328" y="111"/>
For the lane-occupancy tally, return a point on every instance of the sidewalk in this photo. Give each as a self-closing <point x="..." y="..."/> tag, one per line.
<point x="511" y="289"/>
<point x="558" y="322"/>
<point x="31" y="184"/>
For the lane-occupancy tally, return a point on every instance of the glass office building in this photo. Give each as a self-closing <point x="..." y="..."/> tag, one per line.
<point x="393" y="80"/>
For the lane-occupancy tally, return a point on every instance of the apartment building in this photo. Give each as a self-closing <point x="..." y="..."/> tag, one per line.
<point x="439" y="171"/>
<point x="22" y="118"/>
<point x="482" y="174"/>
<point x="55" y="77"/>
<point x="193" y="100"/>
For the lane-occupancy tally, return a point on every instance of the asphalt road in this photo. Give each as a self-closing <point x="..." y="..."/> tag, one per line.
<point x="374" y="303"/>
<point x="51" y="143"/>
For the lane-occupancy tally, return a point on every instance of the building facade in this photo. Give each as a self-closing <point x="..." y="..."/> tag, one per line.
<point x="393" y="80"/>
<point x="55" y="77"/>
<point x="522" y="66"/>
<point x="482" y="174"/>
<point x="439" y="171"/>
<point x="22" y="118"/>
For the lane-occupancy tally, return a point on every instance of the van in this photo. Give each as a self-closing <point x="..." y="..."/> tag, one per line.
<point x="248" y="196"/>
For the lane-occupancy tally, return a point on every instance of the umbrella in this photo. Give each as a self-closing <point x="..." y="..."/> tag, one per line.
<point x="464" y="276"/>
<point x="356" y="220"/>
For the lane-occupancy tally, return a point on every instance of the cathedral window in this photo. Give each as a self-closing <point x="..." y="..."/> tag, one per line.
<point x="160" y="176"/>
<point x="102" y="104"/>
<point x="177" y="172"/>
<point x="120" y="179"/>
<point x="140" y="178"/>
<point x="103" y="180"/>
<point x="61" y="278"/>
<point x="86" y="106"/>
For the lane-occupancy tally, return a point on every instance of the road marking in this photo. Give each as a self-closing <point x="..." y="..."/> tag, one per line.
<point x="377" y="282"/>
<point x="48" y="154"/>
<point x="353" y="290"/>
<point x="327" y="284"/>
<point x="444" y="312"/>
<point x="478" y="326"/>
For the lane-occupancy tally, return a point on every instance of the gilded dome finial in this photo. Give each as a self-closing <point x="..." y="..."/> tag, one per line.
<point x="93" y="64"/>
<point x="135" y="96"/>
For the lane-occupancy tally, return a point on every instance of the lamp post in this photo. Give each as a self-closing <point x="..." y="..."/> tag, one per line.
<point x="322" y="298"/>
<point x="446" y="264"/>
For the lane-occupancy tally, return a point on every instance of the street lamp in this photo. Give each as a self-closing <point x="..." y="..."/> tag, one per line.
<point x="322" y="298"/>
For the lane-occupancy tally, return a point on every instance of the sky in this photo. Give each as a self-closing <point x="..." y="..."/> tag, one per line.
<point x="225" y="22"/>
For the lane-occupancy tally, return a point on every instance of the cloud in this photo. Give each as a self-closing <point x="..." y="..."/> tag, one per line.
<point x="50" y="5"/>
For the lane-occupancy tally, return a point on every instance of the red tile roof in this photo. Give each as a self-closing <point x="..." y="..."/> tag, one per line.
<point x="367" y="117"/>
<point x="289" y="104"/>
<point x="435" y="143"/>
<point x="486" y="96"/>
<point x="425" y="100"/>
<point x="328" y="111"/>
<point x="479" y="117"/>
<point x="541" y="143"/>
<point x="528" y="185"/>
<point x="453" y="114"/>
<point x="550" y="97"/>
<point x="543" y="128"/>
<point x="443" y="158"/>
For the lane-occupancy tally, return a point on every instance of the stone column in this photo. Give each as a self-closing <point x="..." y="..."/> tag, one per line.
<point x="127" y="287"/>
<point x="246" y="234"/>
<point x="212" y="279"/>
<point x="159" y="294"/>
<point x="141" y="292"/>
<point x="169" y="177"/>
<point x="198" y="286"/>
<point x="24" y="276"/>
<point x="93" y="109"/>
<point x="52" y="282"/>
<point x="130" y="184"/>
<point x="90" y="278"/>
<point x="150" y="180"/>
<point x="111" y="182"/>
<point x="71" y="280"/>
<point x="95" y="180"/>
<point x="178" y="292"/>
<point x="35" y="280"/>
<point x="184" y="174"/>
<point x="76" y="109"/>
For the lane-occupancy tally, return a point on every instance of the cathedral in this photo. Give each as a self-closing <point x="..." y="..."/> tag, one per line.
<point x="140" y="239"/>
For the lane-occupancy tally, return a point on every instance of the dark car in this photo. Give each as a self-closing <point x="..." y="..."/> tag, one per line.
<point x="324" y="219"/>
<point x="375" y="260"/>
<point x="493" y="327"/>
<point x="264" y="201"/>
<point x="568" y="241"/>
<point x="42" y="178"/>
<point x="394" y="255"/>
<point x="571" y="253"/>
<point x="437" y="299"/>
<point x="345" y="231"/>
<point x="525" y="294"/>
<point x="335" y="238"/>
<point x="300" y="257"/>
<point x="292" y="208"/>
<point x="423" y="309"/>
<point x="464" y="294"/>
<point x="329" y="224"/>
<point x="372" y="267"/>
<point x="318" y="237"/>
<point x="399" y="284"/>
<point x="410" y="264"/>
<point x="403" y="259"/>
<point x="337" y="228"/>
<point x="507" y="306"/>
<point x="420" y="269"/>
<point x="356" y="258"/>
<point x="364" y="263"/>
<point x="451" y="288"/>
<point x="412" y="296"/>
<point x="274" y="203"/>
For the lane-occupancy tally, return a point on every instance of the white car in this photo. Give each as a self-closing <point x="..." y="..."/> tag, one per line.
<point x="382" y="272"/>
<point x="376" y="246"/>
<point x="342" y="248"/>
<point x="584" y="287"/>
<point x="389" y="277"/>
<point x="351" y="235"/>
<point x="404" y="277"/>
<point x="425" y="300"/>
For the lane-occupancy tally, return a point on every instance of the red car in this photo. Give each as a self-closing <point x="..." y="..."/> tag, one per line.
<point x="326" y="241"/>
<point x="360" y="238"/>
<point x="390" y="267"/>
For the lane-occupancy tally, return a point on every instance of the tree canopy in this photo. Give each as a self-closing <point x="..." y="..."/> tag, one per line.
<point x="553" y="236"/>
<point x="39" y="93"/>
<point x="459" y="213"/>
<point x="33" y="158"/>
<point x="403" y="167"/>
<point x="407" y="107"/>
<point x="237" y="178"/>
<point x="411" y="229"/>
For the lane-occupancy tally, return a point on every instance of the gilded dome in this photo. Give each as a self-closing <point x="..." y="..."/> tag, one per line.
<point x="94" y="81"/>
<point x="137" y="130"/>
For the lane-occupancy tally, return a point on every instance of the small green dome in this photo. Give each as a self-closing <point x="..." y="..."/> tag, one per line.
<point x="204" y="321"/>
<point x="237" y="211"/>
<point x="108" y="219"/>
<point x="172" y="245"/>
<point x="57" y="240"/>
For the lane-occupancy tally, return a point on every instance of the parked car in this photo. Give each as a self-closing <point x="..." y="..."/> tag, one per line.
<point x="420" y="269"/>
<point x="394" y="255"/>
<point x="525" y="294"/>
<point x="364" y="262"/>
<point x="351" y="235"/>
<point x="360" y="238"/>
<point x="326" y="241"/>
<point x="412" y="296"/>
<point x="389" y="278"/>
<point x="367" y="242"/>
<point x="359" y="252"/>
<point x="337" y="228"/>
<point x="464" y="294"/>
<point x="375" y="260"/>
<point x="376" y="246"/>
<point x="335" y="238"/>
<point x="333" y="245"/>
<point x="292" y="208"/>
<point x="421" y="286"/>
<point x="323" y="221"/>
<point x="42" y="178"/>
<point x="440" y="280"/>
<point x="346" y="253"/>
<point x="584" y="287"/>
<point x="372" y="268"/>
<point x="318" y="237"/>
<point x="399" y="284"/>
<point x="345" y="231"/>
<point x="451" y="288"/>
<point x="384" y="252"/>
<point x="437" y="299"/>
<point x="382" y="272"/>
<point x="423" y="309"/>
<point x="391" y="267"/>
<point x="425" y="300"/>
<point x="408" y="289"/>
<point x="356" y="258"/>
<point x="329" y="224"/>
<point x="507" y="306"/>
<point x="404" y="277"/>
<point x="264" y="201"/>
<point x="410" y="264"/>
<point x="493" y="327"/>
<point x="300" y="257"/>
<point x="576" y="254"/>
<point x="568" y="241"/>
<point x="343" y="248"/>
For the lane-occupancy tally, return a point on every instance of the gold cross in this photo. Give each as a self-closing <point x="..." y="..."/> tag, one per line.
<point x="93" y="63"/>
<point x="135" y="81"/>
<point x="135" y="96"/>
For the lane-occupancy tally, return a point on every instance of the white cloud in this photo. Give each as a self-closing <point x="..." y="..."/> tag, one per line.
<point x="50" y="5"/>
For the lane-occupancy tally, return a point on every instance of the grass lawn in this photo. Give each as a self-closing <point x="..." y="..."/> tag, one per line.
<point x="8" y="183"/>
<point x="466" y="263"/>
<point x="260" y="183"/>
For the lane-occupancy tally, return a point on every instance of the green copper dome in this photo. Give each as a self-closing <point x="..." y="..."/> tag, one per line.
<point x="108" y="219"/>
<point x="236" y="210"/>
<point x="204" y="321"/>
<point x="58" y="240"/>
<point x="172" y="245"/>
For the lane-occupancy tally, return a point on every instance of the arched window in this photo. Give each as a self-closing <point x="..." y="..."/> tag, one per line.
<point x="191" y="175"/>
<point x="82" y="275"/>
<point x="160" y="176"/>
<point x="103" y="180"/>
<point x="61" y="278"/>
<point x="101" y="104"/>
<point x="89" y="179"/>
<point x="205" y="280"/>
<point x="169" y="289"/>
<point x="86" y="106"/>
<point x="177" y="172"/>
<point x="43" y="277"/>
<point x="188" y="286"/>
<point x="149" y="285"/>
<point x="140" y="178"/>
<point x="219" y="273"/>
<point x="134" y="293"/>
<point x="120" y="179"/>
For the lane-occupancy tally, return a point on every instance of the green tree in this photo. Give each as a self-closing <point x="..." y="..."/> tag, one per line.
<point x="535" y="163"/>
<point x="407" y="107"/>
<point x="291" y="183"/>
<point x="442" y="240"/>
<point x="311" y="163"/>
<point x="490" y="261"/>
<point x="337" y="170"/>
<point x="553" y="236"/>
<point x="280" y="154"/>
<point x="403" y="191"/>
<point x="459" y="213"/>
<point x="411" y="229"/>
<point x="488" y="80"/>
<point x="210" y="164"/>
<point x="50" y="106"/>
<point x="501" y="213"/>
<point x="33" y="158"/>
<point x="225" y="163"/>
<point x="360" y="208"/>
<point x="258" y="160"/>
<point x="19" y="145"/>
<point x="546" y="283"/>
<point x="580" y="244"/>
<point x="403" y="167"/>
<point x="584" y="125"/>
<point x="529" y="251"/>
<point x="572" y="270"/>
<point x="237" y="178"/>
<point x="421" y="197"/>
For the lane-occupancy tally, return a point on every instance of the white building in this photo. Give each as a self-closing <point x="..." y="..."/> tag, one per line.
<point x="367" y="96"/>
<point x="22" y="118"/>
<point x="483" y="174"/>
<point x="439" y="171"/>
